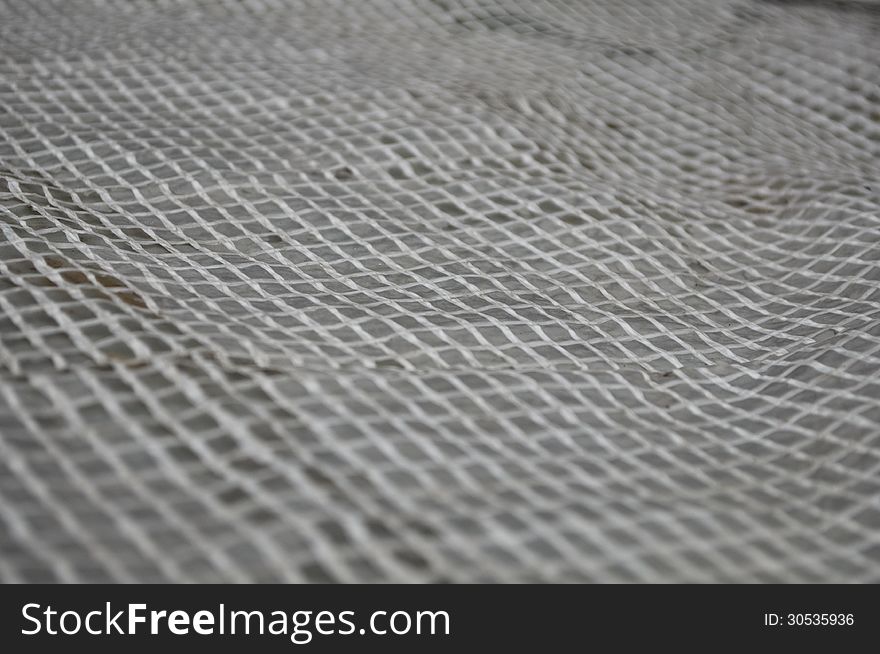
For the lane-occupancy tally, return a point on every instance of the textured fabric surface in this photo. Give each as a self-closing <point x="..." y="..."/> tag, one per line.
<point x="452" y="290"/>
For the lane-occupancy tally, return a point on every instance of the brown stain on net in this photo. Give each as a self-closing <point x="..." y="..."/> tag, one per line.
<point x="98" y="280"/>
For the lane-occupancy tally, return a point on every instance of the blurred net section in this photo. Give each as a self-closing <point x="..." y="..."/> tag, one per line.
<point x="461" y="290"/>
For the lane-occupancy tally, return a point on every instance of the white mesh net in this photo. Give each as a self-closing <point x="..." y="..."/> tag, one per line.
<point x="460" y="290"/>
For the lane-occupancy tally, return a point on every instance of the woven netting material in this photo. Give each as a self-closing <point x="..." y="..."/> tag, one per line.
<point x="459" y="290"/>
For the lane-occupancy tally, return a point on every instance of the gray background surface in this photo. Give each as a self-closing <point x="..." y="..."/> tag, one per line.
<point x="460" y="290"/>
